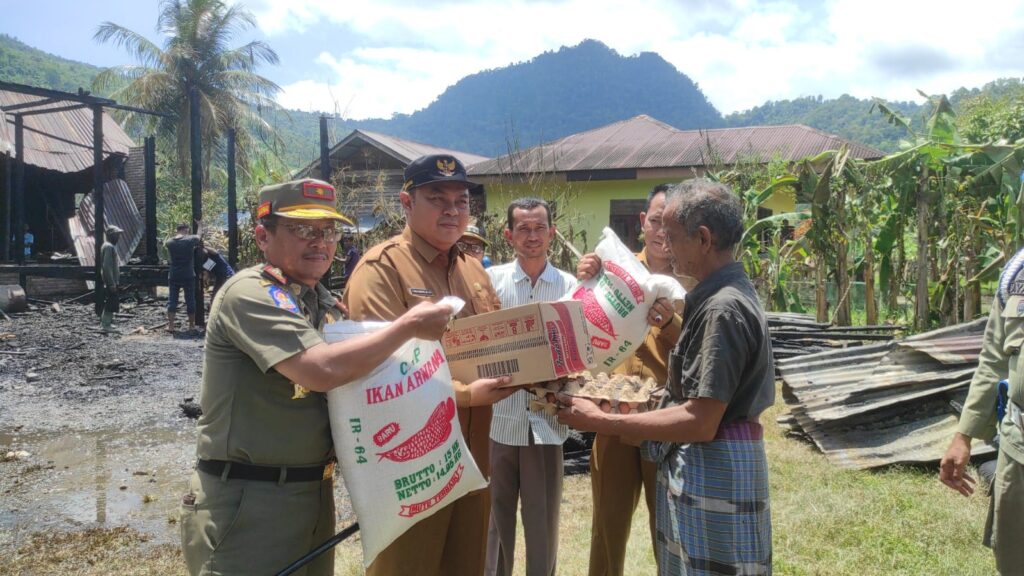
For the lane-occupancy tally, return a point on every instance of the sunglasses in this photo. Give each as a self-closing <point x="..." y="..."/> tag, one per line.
<point x="310" y="232"/>
<point x="469" y="248"/>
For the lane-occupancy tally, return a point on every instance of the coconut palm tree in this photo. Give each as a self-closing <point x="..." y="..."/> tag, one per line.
<point x="196" y="53"/>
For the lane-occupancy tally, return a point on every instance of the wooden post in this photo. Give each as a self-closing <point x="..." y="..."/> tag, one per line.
<point x="843" y="284"/>
<point x="19" y="191"/>
<point x="5" y="240"/>
<point x="870" y="308"/>
<point x="98" y="200"/>
<point x="325" y="158"/>
<point x="232" y="203"/>
<point x="149" y="157"/>
<point x="195" y="159"/>
<point x="921" y="308"/>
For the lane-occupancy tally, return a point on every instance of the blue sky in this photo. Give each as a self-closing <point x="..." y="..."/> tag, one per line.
<point x="373" y="58"/>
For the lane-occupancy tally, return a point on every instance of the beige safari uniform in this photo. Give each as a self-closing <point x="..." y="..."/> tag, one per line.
<point x="617" y="471"/>
<point x="391" y="278"/>
<point x="1001" y="360"/>
<point x="254" y="415"/>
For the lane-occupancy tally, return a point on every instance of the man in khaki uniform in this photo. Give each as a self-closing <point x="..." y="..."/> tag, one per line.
<point x="999" y="360"/>
<point x="262" y="494"/>
<point x="617" y="470"/>
<point x="421" y="264"/>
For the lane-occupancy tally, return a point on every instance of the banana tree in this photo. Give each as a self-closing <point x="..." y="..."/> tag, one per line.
<point x="921" y="167"/>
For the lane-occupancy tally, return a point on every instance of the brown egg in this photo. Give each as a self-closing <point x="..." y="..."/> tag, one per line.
<point x="551" y="397"/>
<point x="606" y="406"/>
<point x="625" y="408"/>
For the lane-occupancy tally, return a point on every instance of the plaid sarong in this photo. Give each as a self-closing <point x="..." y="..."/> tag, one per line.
<point x="712" y="513"/>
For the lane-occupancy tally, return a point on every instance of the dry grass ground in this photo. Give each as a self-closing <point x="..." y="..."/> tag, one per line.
<point x="826" y="522"/>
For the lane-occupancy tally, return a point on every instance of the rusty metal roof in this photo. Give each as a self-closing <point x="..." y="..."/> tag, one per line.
<point x="60" y="140"/>
<point x="885" y="403"/>
<point x="405" y="151"/>
<point x="644" y="142"/>
<point x="119" y="210"/>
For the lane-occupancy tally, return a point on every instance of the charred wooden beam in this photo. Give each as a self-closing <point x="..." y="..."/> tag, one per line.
<point x="232" y="203"/>
<point x="149" y="162"/>
<point x="19" y="191"/>
<point x="196" y="149"/>
<point x="97" y="186"/>
<point x="325" y="158"/>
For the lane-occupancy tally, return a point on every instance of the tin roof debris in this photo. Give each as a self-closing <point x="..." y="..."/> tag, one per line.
<point x="886" y="403"/>
<point x="800" y="334"/>
<point x="118" y="210"/>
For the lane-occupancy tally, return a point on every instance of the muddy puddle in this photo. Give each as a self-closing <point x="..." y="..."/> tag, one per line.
<point x="108" y="477"/>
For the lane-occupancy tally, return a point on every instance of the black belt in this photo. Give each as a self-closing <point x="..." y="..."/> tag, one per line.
<point x="264" y="473"/>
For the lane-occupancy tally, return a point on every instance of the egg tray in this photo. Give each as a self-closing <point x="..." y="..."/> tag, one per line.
<point x="617" y="393"/>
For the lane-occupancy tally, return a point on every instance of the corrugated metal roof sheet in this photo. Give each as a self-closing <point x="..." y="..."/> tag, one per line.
<point x="60" y="141"/>
<point x="643" y="142"/>
<point x="119" y="210"/>
<point x="403" y="150"/>
<point x="886" y="403"/>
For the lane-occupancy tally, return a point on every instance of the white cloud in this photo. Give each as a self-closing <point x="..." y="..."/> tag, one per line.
<point x="741" y="53"/>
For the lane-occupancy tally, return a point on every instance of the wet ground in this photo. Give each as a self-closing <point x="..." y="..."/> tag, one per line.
<point x="99" y="416"/>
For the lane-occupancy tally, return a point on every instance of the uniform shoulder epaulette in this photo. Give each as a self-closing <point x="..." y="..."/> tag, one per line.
<point x="274" y="273"/>
<point x="378" y="250"/>
<point x="1008" y="283"/>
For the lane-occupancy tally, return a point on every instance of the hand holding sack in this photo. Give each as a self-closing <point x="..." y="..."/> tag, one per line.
<point x="617" y="299"/>
<point x="398" y="441"/>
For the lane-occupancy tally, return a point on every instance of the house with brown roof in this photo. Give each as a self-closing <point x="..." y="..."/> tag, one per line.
<point x="367" y="171"/>
<point x="608" y="171"/>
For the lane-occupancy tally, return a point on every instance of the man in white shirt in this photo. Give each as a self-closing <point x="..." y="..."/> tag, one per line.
<point x="526" y="447"/>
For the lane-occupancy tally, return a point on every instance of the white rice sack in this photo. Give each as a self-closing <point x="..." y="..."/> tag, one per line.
<point x="397" y="436"/>
<point x="617" y="300"/>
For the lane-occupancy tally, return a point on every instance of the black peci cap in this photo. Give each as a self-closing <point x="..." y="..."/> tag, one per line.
<point x="435" y="168"/>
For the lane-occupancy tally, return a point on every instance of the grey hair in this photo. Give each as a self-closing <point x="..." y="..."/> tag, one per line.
<point x="702" y="202"/>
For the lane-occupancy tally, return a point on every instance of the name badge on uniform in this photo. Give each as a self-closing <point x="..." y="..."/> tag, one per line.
<point x="282" y="299"/>
<point x="421" y="292"/>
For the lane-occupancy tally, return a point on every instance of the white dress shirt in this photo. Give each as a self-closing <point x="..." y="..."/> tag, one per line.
<point x="512" y="422"/>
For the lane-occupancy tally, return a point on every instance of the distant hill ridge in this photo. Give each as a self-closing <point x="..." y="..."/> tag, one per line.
<point x="553" y="95"/>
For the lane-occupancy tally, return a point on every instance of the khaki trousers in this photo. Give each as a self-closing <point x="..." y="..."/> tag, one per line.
<point x="617" y="474"/>
<point x="1006" y="517"/>
<point x="449" y="543"/>
<point x="255" y="527"/>
<point x="532" y="474"/>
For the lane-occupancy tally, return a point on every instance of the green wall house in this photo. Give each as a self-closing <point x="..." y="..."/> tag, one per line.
<point x="604" y="174"/>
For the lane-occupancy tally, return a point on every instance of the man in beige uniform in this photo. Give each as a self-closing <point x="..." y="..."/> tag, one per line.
<point x="262" y="494"/>
<point x="424" y="264"/>
<point x="617" y="471"/>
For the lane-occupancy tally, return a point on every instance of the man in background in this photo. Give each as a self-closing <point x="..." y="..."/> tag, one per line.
<point x="181" y="275"/>
<point x="526" y="447"/>
<point x="110" y="269"/>
<point x="473" y="243"/>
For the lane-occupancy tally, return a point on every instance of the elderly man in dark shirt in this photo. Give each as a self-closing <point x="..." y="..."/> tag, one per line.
<point x="712" y="504"/>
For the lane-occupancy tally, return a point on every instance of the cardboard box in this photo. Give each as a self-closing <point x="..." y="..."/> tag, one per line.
<point x="531" y="343"/>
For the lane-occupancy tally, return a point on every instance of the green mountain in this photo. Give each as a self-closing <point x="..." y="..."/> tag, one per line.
<point x="845" y="116"/>
<point x="23" y="64"/>
<point x="554" y="95"/>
